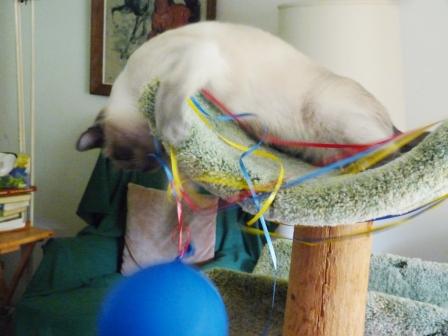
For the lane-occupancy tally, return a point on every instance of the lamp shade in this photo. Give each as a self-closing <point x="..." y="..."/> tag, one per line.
<point x="359" y="39"/>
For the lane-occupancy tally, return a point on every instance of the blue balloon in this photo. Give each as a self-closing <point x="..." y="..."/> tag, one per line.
<point x="164" y="300"/>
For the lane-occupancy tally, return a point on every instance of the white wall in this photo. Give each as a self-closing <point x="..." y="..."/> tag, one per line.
<point x="258" y="13"/>
<point x="425" y="53"/>
<point x="65" y="108"/>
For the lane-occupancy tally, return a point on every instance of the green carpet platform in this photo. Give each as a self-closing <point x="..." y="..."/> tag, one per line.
<point x="406" y="296"/>
<point x="405" y="183"/>
<point x="327" y="288"/>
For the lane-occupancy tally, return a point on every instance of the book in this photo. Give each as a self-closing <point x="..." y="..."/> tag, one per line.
<point x="13" y="224"/>
<point x="15" y="198"/>
<point x="15" y="205"/>
<point x="4" y="213"/>
<point x="16" y="191"/>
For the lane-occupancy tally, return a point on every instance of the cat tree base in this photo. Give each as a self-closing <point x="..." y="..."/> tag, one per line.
<point x="327" y="292"/>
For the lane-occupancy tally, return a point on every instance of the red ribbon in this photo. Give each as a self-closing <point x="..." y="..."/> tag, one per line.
<point x="288" y="143"/>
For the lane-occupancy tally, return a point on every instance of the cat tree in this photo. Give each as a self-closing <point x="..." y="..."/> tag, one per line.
<point x="328" y="281"/>
<point x="341" y="35"/>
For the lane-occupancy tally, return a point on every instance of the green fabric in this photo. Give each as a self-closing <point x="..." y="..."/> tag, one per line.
<point x="69" y="313"/>
<point x="103" y="205"/>
<point x="77" y="272"/>
<point x="71" y="263"/>
<point x="235" y="249"/>
<point x="410" y="181"/>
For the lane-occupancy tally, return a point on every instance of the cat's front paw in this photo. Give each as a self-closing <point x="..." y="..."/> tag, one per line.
<point x="172" y="114"/>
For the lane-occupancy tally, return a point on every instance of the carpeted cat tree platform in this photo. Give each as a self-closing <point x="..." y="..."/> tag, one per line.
<point x="405" y="297"/>
<point x="327" y="290"/>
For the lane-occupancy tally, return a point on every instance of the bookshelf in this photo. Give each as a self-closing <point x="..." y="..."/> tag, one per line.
<point x="22" y="239"/>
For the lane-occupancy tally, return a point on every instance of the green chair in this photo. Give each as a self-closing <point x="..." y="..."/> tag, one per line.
<point x="65" y="294"/>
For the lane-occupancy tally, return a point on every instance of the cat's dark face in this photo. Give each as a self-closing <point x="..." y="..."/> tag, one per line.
<point x="130" y="148"/>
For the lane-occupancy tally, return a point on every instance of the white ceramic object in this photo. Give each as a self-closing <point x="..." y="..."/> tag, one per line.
<point x="7" y="163"/>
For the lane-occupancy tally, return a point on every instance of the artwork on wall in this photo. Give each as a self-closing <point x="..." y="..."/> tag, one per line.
<point x="118" y="27"/>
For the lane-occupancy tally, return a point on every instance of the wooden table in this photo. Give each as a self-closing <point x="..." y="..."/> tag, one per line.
<point x="23" y="240"/>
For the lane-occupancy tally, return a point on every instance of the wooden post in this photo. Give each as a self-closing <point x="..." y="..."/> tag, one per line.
<point x="327" y="292"/>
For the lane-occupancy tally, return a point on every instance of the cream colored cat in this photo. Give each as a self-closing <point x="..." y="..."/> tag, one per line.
<point x="248" y="69"/>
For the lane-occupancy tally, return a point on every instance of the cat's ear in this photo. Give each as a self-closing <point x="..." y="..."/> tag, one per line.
<point x="93" y="137"/>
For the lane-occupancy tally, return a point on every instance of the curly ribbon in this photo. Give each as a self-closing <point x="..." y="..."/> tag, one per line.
<point x="256" y="201"/>
<point x="410" y="215"/>
<point x="353" y="164"/>
<point x="177" y="186"/>
<point x="371" y="159"/>
<point x="261" y="207"/>
<point x="367" y="156"/>
<point x="228" y="181"/>
<point x="177" y="183"/>
<point x="233" y="182"/>
<point x="176" y="190"/>
<point x="360" y="165"/>
<point x="372" y="152"/>
<point x="268" y="138"/>
<point x="202" y="114"/>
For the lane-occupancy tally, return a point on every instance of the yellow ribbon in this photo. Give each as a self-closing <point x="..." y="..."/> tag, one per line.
<point x="177" y="182"/>
<point x="377" y="156"/>
<point x="259" y="152"/>
<point x="233" y="182"/>
<point x="437" y="202"/>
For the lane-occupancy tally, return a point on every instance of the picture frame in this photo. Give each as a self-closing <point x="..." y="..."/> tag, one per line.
<point x="117" y="29"/>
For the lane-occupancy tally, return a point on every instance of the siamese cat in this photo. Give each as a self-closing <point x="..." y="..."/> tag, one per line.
<point x="250" y="71"/>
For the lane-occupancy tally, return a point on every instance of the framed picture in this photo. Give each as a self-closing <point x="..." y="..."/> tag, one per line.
<point x="118" y="27"/>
